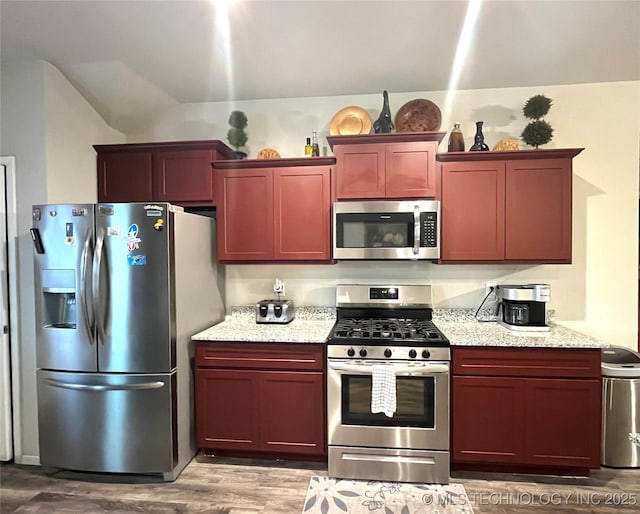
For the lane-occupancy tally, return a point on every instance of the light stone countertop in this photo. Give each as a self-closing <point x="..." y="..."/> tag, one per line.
<point x="313" y="324"/>
<point x="310" y="325"/>
<point x="462" y="329"/>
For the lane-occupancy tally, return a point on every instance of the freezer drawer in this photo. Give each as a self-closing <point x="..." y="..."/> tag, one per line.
<point x="107" y="422"/>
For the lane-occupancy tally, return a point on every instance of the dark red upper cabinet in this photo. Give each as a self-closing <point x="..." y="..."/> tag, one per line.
<point x="176" y="172"/>
<point x="302" y="213"/>
<point x="506" y="206"/>
<point x="472" y="211"/>
<point x="378" y="166"/>
<point x="244" y="214"/>
<point x="274" y="210"/>
<point x="538" y="209"/>
<point x="125" y="176"/>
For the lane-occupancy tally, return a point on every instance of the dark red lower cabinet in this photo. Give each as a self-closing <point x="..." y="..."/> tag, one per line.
<point x="261" y="410"/>
<point x="526" y="410"/>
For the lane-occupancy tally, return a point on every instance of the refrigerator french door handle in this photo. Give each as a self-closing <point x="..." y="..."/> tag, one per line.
<point x="97" y="262"/>
<point x="156" y="384"/>
<point x="88" y="323"/>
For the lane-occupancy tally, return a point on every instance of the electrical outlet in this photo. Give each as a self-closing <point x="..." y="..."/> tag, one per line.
<point x="278" y="287"/>
<point x="488" y="286"/>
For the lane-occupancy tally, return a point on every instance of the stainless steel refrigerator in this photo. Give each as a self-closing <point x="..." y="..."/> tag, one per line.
<point x="120" y="289"/>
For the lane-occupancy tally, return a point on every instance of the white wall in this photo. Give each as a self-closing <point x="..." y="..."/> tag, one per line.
<point x="72" y="127"/>
<point x="596" y="294"/>
<point x="49" y="127"/>
<point x="23" y="136"/>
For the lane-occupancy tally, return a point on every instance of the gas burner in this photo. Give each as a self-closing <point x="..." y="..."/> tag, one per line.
<point x="392" y="317"/>
<point x="388" y="331"/>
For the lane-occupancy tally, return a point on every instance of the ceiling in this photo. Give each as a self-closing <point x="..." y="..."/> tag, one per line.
<point x="132" y="59"/>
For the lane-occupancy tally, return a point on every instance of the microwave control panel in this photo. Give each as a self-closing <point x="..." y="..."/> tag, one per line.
<point x="429" y="229"/>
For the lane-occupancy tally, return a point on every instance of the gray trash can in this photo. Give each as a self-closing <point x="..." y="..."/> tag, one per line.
<point x="620" y="407"/>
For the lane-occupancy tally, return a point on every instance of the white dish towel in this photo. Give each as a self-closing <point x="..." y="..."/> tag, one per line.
<point x="383" y="389"/>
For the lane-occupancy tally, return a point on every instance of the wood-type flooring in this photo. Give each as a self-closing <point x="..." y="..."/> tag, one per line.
<point x="235" y="486"/>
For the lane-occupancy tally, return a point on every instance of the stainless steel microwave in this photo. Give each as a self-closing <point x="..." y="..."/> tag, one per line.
<point x="386" y="229"/>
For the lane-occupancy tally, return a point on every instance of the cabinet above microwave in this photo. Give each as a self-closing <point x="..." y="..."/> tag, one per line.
<point x="386" y="166"/>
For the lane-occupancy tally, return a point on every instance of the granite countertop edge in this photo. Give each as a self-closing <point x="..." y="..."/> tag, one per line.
<point x="313" y="324"/>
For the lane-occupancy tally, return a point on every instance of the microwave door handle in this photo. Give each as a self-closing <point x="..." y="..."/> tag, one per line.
<point x="416" y="229"/>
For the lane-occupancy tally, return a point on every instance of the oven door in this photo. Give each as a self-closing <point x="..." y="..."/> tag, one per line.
<point x="421" y="420"/>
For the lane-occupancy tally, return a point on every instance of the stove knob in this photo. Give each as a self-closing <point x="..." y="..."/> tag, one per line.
<point x="351" y="352"/>
<point x="426" y="354"/>
<point x="387" y="353"/>
<point x="412" y="354"/>
<point x="363" y="352"/>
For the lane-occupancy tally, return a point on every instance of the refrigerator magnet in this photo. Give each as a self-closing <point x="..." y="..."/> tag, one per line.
<point x="113" y="231"/>
<point x="137" y="260"/>
<point x="132" y="238"/>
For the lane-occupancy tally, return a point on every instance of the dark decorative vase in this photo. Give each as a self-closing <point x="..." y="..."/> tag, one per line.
<point x="384" y="124"/>
<point x="456" y="139"/>
<point x="479" y="144"/>
<point x="238" y="155"/>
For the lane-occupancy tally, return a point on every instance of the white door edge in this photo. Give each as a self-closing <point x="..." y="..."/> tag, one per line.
<point x="9" y="165"/>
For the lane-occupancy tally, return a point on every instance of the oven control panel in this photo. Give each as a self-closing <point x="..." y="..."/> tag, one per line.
<point x="388" y="353"/>
<point x="383" y="293"/>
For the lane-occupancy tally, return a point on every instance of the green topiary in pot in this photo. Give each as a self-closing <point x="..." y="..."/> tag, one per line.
<point x="236" y="135"/>
<point x="538" y="132"/>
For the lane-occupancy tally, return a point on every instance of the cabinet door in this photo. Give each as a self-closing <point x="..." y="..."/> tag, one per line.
<point x="227" y="407"/>
<point x="244" y="213"/>
<point x="473" y="213"/>
<point x="563" y="420"/>
<point x="125" y="177"/>
<point x="183" y="176"/>
<point x="410" y="170"/>
<point x="487" y="421"/>
<point x="292" y="414"/>
<point x="360" y="171"/>
<point x="538" y="210"/>
<point x="302" y="213"/>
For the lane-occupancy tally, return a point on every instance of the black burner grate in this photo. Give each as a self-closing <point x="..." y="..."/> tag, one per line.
<point x="386" y="331"/>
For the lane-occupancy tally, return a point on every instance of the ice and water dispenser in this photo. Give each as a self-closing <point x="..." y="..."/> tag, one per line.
<point x="59" y="298"/>
<point x="58" y="288"/>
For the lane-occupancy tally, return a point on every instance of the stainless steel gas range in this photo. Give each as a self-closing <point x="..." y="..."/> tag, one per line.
<point x="391" y="326"/>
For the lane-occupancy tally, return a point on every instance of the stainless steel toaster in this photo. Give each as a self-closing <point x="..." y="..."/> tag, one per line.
<point x="275" y="311"/>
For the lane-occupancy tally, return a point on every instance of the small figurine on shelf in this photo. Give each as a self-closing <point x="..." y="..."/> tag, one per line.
<point x="236" y="135"/>
<point x="456" y="139"/>
<point x="384" y="124"/>
<point x="538" y="132"/>
<point x="315" y="147"/>
<point x="479" y="145"/>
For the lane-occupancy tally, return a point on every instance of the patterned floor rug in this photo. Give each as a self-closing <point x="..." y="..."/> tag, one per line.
<point x="334" y="496"/>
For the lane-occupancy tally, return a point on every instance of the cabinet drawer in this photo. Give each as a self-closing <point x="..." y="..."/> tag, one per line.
<point x="527" y="362"/>
<point x="266" y="356"/>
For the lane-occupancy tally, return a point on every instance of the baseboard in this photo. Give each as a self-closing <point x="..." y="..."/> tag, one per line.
<point x="27" y="460"/>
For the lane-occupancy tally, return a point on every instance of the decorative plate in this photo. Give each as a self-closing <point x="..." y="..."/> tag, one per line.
<point x="268" y="153"/>
<point x="350" y="121"/>
<point x="418" y="116"/>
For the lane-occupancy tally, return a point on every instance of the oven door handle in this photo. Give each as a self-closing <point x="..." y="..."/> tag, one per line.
<point x="368" y="369"/>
